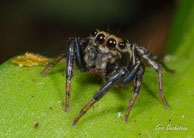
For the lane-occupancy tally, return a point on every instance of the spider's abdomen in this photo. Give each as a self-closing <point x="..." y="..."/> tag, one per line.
<point x="100" y="59"/>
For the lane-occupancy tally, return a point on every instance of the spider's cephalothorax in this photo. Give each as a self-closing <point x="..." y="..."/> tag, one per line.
<point x="115" y="58"/>
<point x="105" y="53"/>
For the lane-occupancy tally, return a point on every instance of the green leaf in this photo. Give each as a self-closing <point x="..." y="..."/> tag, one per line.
<point x="183" y="22"/>
<point x="32" y="106"/>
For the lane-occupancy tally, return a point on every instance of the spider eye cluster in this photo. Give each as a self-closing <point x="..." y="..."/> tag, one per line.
<point x="111" y="43"/>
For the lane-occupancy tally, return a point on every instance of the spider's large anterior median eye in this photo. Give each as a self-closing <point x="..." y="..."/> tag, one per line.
<point x="111" y="43"/>
<point x="122" y="45"/>
<point x="100" y="38"/>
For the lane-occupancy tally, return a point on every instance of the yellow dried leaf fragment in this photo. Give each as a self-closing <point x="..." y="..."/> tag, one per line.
<point x="30" y="59"/>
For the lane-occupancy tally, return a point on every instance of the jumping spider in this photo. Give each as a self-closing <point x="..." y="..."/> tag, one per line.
<point x="115" y="58"/>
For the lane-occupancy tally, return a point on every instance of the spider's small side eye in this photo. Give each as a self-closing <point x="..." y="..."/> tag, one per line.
<point x="122" y="45"/>
<point x="94" y="33"/>
<point x="111" y="43"/>
<point x="100" y="38"/>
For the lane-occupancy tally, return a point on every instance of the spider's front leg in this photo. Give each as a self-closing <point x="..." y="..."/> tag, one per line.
<point x="144" y="53"/>
<point x="69" y="69"/>
<point x="139" y="71"/>
<point x="74" y="51"/>
<point x="104" y="89"/>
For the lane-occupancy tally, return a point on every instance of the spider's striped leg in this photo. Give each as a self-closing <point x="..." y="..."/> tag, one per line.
<point x="74" y="52"/>
<point x="99" y="94"/>
<point x="163" y="64"/>
<point x="144" y="53"/>
<point x="137" y="85"/>
<point x="158" y="69"/>
<point x="55" y="62"/>
<point x="69" y="70"/>
<point x="161" y="94"/>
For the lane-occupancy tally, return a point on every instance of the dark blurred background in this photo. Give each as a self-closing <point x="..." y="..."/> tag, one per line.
<point x="44" y="26"/>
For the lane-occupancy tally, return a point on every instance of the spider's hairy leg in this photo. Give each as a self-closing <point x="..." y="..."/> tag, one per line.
<point x="100" y="93"/>
<point x="52" y="65"/>
<point x="137" y="85"/>
<point x="69" y="69"/>
<point x="163" y="64"/>
<point x="74" y="52"/>
<point x="144" y="53"/>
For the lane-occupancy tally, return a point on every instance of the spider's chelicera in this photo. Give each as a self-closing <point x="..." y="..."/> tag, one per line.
<point x="115" y="58"/>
